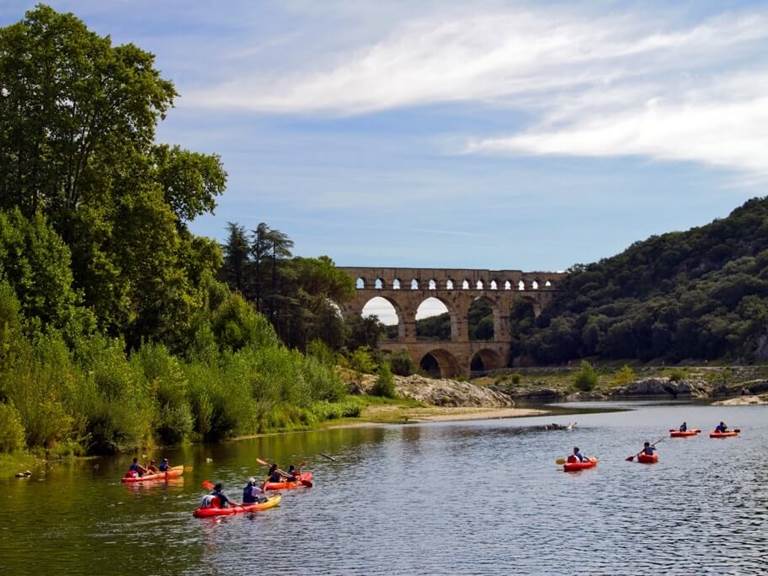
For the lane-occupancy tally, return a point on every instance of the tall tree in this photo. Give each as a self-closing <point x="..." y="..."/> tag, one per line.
<point x="236" y="257"/>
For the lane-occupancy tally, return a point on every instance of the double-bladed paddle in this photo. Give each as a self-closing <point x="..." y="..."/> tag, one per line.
<point x="631" y="458"/>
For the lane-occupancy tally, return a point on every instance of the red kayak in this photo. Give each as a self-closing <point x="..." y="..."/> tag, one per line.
<point x="174" y="472"/>
<point x="679" y="434"/>
<point x="576" y="466"/>
<point x="728" y="434"/>
<point x="211" y="511"/>
<point x="305" y="479"/>
<point x="644" y="458"/>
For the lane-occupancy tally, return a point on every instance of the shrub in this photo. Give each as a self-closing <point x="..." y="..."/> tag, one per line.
<point x="11" y="429"/>
<point x="516" y="378"/>
<point x="677" y="375"/>
<point x="402" y="364"/>
<point x="624" y="376"/>
<point x="362" y="360"/>
<point x="586" y="377"/>
<point x="385" y="383"/>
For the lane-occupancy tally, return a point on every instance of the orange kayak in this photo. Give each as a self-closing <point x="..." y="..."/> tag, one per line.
<point x="576" y="466"/>
<point x="644" y="458"/>
<point x="173" y="472"/>
<point x="271" y="502"/>
<point x="305" y="479"/>
<point x="729" y="434"/>
<point x="679" y="434"/>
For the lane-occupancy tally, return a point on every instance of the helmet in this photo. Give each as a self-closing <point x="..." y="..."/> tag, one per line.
<point x="251" y="480"/>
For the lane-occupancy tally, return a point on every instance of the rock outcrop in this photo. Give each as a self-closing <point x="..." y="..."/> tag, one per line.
<point x="662" y="386"/>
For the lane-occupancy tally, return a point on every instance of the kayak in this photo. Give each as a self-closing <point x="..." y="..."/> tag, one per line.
<point x="305" y="479"/>
<point x="647" y="458"/>
<point x="173" y="472"/>
<point x="271" y="502"/>
<point x="723" y="434"/>
<point x="576" y="466"/>
<point x="679" y="434"/>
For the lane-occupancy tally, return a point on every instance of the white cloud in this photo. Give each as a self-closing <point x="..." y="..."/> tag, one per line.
<point x="595" y="85"/>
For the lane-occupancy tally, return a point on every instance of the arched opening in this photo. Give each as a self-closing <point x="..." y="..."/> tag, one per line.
<point x="433" y="320"/>
<point x="432" y="285"/>
<point x="507" y="285"/>
<point x="449" y="284"/>
<point x="465" y="285"/>
<point x="378" y="284"/>
<point x="548" y="284"/>
<point x="481" y="320"/>
<point x="414" y="284"/>
<point x="484" y="361"/>
<point x="360" y="283"/>
<point x="535" y="285"/>
<point x="386" y="313"/>
<point x="479" y="285"/>
<point x="440" y="364"/>
<point x="396" y="284"/>
<point x="521" y="285"/>
<point x="494" y="285"/>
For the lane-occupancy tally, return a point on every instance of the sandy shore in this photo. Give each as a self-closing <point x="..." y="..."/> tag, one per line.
<point x="389" y="414"/>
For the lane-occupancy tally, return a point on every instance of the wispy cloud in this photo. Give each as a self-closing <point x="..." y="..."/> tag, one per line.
<point x="626" y="84"/>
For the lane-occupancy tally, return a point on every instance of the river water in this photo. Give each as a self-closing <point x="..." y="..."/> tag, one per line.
<point x="450" y="498"/>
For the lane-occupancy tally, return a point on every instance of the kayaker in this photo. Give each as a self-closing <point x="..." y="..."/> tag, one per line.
<point x="253" y="493"/>
<point x="648" y="449"/>
<point x="274" y="475"/>
<point x="223" y="501"/>
<point x="721" y="428"/>
<point x="684" y="427"/>
<point x="164" y="465"/>
<point x="152" y="468"/>
<point x="136" y="468"/>
<point x="577" y="456"/>
<point x="293" y="474"/>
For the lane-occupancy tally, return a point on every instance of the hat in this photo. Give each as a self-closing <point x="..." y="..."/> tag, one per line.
<point x="251" y="480"/>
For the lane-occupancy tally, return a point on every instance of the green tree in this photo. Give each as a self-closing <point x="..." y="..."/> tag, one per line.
<point x="586" y="377"/>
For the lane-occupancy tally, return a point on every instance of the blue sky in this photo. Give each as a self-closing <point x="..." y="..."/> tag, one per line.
<point x="489" y="134"/>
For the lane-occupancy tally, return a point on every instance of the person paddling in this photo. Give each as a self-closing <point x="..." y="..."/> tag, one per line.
<point x="274" y="474"/>
<point x="252" y="493"/>
<point x="720" y="428"/>
<point x="136" y="469"/>
<point x="683" y="427"/>
<point x="648" y="450"/>
<point x="293" y="474"/>
<point x="164" y="465"/>
<point x="217" y="498"/>
<point x="152" y="468"/>
<point x="577" y="456"/>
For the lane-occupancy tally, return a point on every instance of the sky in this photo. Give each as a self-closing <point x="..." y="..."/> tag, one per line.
<point x="460" y="134"/>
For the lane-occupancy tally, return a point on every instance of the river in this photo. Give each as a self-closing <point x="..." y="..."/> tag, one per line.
<point x="480" y="497"/>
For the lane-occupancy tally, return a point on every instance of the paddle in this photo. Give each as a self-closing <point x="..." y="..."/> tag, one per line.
<point x="331" y="458"/>
<point x="208" y="485"/>
<point x="631" y="458"/>
<point x="307" y="483"/>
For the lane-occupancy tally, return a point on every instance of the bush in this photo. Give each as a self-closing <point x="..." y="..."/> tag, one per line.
<point x="624" y="376"/>
<point x="362" y="360"/>
<point x="11" y="429"/>
<point x="677" y="375"/>
<point x="516" y="378"/>
<point x="402" y="364"/>
<point x="586" y="378"/>
<point x="385" y="383"/>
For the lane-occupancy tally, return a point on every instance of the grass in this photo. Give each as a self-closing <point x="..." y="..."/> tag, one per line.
<point x="10" y="464"/>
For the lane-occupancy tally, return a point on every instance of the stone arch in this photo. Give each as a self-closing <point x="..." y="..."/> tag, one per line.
<point x="378" y="284"/>
<point x="432" y="284"/>
<point x="547" y="284"/>
<point x="479" y="285"/>
<point x="414" y="284"/>
<point x="521" y="285"/>
<point x="382" y="312"/>
<point x="507" y="285"/>
<point x="483" y="319"/>
<point x="360" y="283"/>
<point x="439" y="308"/>
<point x="449" y="284"/>
<point x="535" y="285"/>
<point x="494" y="285"/>
<point x="485" y="360"/>
<point x="441" y="363"/>
<point x="465" y="284"/>
<point x="396" y="284"/>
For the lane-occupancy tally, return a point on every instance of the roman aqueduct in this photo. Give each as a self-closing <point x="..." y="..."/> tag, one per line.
<point x="406" y="288"/>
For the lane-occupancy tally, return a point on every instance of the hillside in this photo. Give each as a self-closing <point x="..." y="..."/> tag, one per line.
<point x="700" y="294"/>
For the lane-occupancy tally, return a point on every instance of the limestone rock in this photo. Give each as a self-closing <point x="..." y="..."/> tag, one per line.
<point x="662" y="386"/>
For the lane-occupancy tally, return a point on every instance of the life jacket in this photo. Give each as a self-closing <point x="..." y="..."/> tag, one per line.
<point x="210" y="501"/>
<point x="571" y="459"/>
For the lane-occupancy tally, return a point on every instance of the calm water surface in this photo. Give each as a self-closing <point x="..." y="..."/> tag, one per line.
<point x="455" y="498"/>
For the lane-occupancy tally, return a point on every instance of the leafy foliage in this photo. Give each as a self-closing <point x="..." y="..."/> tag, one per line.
<point x="700" y="294"/>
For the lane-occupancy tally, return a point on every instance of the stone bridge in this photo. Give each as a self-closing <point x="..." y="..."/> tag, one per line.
<point x="406" y="288"/>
